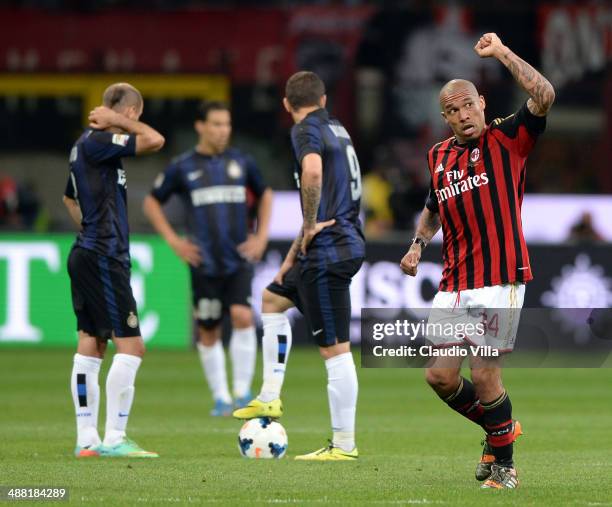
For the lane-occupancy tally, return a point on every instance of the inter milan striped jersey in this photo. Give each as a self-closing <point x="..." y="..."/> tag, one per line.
<point x="98" y="182"/>
<point x="477" y="189"/>
<point x="218" y="193"/>
<point x="340" y="191"/>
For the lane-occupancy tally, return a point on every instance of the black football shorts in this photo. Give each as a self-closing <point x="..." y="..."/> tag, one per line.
<point x="322" y="295"/>
<point x="212" y="296"/>
<point x="102" y="297"/>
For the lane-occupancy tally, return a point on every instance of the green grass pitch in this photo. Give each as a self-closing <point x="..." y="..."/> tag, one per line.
<point x="414" y="450"/>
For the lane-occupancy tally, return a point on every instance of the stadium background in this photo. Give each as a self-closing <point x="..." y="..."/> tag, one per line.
<point x="383" y="64"/>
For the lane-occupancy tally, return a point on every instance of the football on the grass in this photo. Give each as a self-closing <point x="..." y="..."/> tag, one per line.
<point x="262" y="438"/>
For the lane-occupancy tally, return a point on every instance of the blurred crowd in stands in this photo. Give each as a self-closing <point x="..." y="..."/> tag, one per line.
<point x="20" y="206"/>
<point x="383" y="63"/>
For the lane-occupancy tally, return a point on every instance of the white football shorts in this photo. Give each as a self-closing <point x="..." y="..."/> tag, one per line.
<point x="485" y="316"/>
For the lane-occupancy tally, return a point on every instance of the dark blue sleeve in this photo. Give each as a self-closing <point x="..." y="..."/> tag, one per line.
<point x="167" y="183"/>
<point x="101" y="145"/>
<point x="70" y="190"/>
<point x="306" y="138"/>
<point x="254" y="178"/>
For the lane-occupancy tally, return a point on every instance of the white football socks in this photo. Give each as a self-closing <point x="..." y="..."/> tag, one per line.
<point x="86" y="397"/>
<point x="243" y="351"/>
<point x="276" y="345"/>
<point x="342" y="393"/>
<point x="213" y="364"/>
<point x="119" y="396"/>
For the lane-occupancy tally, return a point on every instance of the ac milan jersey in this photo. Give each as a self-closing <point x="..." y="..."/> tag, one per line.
<point x="477" y="188"/>
<point x="340" y="190"/>
<point x="218" y="193"/>
<point x="98" y="182"/>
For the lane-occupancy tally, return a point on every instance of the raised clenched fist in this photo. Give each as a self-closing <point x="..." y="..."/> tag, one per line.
<point x="489" y="45"/>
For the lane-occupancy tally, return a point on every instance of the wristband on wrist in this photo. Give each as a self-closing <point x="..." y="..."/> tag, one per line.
<point x="419" y="241"/>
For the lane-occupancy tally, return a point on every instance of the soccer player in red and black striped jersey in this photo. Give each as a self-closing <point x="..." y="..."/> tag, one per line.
<point x="477" y="185"/>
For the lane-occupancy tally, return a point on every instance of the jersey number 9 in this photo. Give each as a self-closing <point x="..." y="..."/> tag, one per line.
<point x="351" y="156"/>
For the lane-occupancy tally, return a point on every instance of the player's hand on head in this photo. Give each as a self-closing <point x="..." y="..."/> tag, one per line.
<point x="187" y="251"/>
<point x="309" y="234"/>
<point x="253" y="248"/>
<point x="102" y="117"/>
<point x="410" y="261"/>
<point x="488" y="45"/>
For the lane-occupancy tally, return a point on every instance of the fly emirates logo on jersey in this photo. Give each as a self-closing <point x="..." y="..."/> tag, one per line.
<point x="456" y="183"/>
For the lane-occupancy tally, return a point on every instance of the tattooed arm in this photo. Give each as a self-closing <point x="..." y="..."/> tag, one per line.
<point x="429" y="224"/>
<point x="312" y="178"/>
<point x="295" y="248"/>
<point x="541" y="92"/>
<point x="289" y="258"/>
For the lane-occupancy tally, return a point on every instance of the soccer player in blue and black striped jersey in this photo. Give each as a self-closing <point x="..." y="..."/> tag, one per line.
<point x="99" y="268"/>
<point x="219" y="186"/>
<point x="316" y="274"/>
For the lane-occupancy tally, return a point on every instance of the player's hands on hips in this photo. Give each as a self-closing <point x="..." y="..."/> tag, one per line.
<point x="285" y="266"/>
<point x="187" y="251"/>
<point x="102" y="117"/>
<point x="309" y="234"/>
<point x="489" y="45"/>
<point x="253" y="248"/>
<point x="410" y="261"/>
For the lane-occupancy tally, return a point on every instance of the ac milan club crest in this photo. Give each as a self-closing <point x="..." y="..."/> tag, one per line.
<point x="475" y="155"/>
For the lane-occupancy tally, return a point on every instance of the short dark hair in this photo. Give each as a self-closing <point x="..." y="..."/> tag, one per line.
<point x="206" y="106"/>
<point x="120" y="95"/>
<point x="304" y="89"/>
